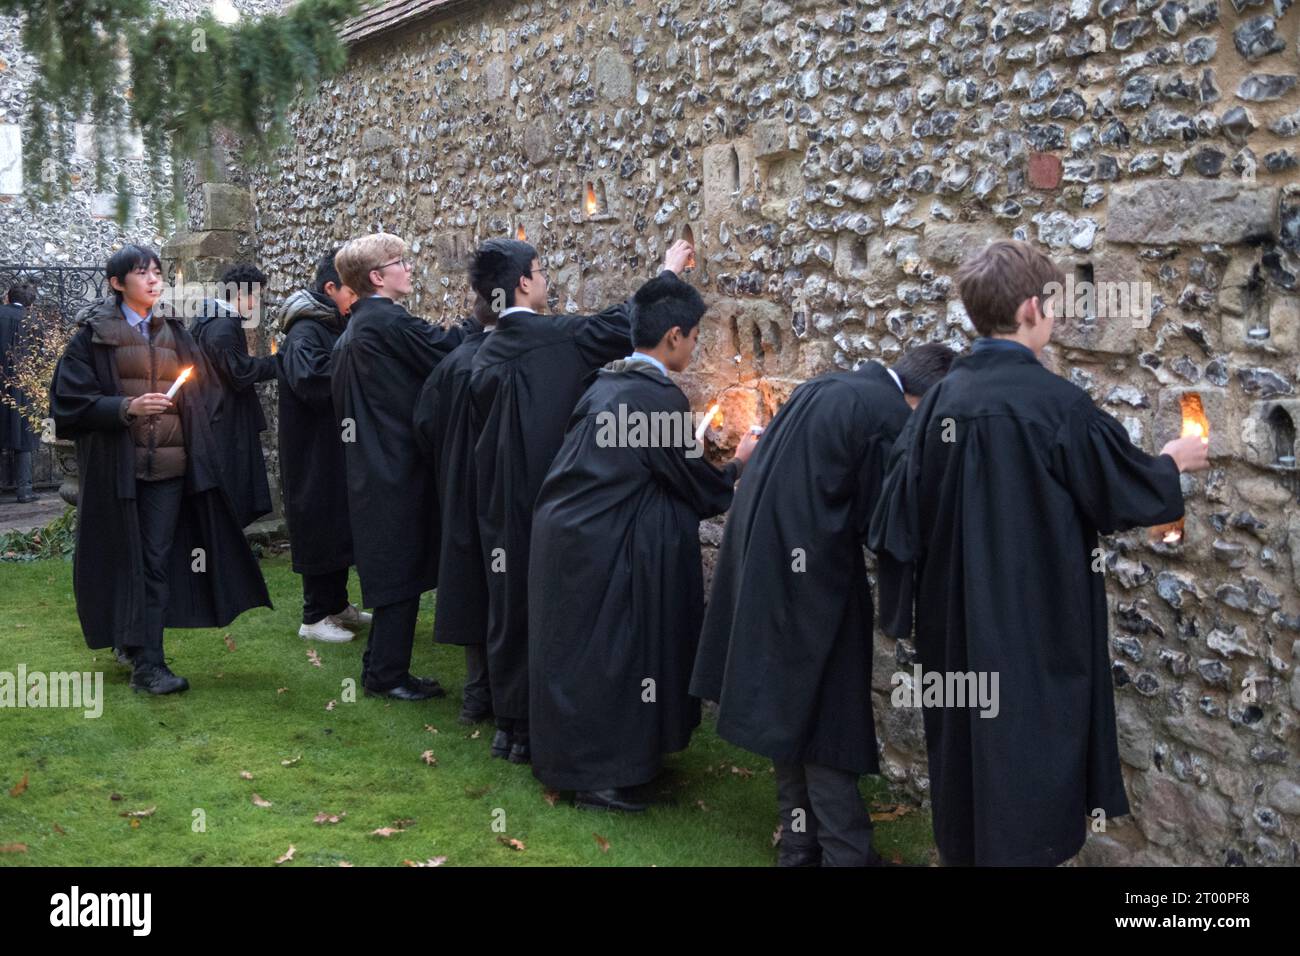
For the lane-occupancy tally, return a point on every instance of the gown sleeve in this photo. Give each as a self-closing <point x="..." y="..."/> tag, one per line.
<point x="423" y="345"/>
<point x="894" y="530"/>
<point x="425" y="421"/>
<point x="305" y="368"/>
<point x="76" y="403"/>
<point x="707" y="489"/>
<point x="239" y="370"/>
<point x="1115" y="485"/>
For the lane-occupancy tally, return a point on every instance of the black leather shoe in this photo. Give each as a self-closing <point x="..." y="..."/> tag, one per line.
<point x="411" y="691"/>
<point x="121" y="656"/>
<point x="28" y="499"/>
<point x="614" y="798"/>
<point x="432" y="684"/>
<point x="157" y="679"/>
<point x="501" y="744"/>
<point x="803" y="856"/>
<point x="520" y="752"/>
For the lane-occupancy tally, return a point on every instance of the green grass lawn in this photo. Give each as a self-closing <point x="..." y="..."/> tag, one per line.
<point x="258" y="706"/>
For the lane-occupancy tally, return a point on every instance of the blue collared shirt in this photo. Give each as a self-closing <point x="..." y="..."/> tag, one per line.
<point x="138" y="322"/>
<point x="986" y="343"/>
<point x="643" y="357"/>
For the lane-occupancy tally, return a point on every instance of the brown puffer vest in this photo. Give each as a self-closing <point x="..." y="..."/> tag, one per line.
<point x="142" y="367"/>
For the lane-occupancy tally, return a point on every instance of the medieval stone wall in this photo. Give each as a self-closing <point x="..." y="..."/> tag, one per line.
<point x="833" y="162"/>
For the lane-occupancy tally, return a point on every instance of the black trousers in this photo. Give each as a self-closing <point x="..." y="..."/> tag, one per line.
<point x="478" y="694"/>
<point x="387" y="660"/>
<point x="323" y="595"/>
<point x="821" y="809"/>
<point x="158" y="506"/>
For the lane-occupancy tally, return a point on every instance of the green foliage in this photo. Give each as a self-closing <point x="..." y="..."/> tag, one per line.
<point x="125" y="62"/>
<point x="56" y="540"/>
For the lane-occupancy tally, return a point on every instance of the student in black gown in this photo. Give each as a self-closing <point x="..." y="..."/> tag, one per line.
<point x="787" y="637"/>
<point x="158" y="544"/>
<point x="313" y="472"/>
<point x="219" y="330"/>
<point x="616" y="587"/>
<point x="381" y="362"/>
<point x="446" y="434"/>
<point x="527" y="377"/>
<point x="998" y="489"/>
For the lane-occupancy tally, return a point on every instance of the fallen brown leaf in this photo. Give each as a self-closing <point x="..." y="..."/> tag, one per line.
<point x="344" y="863"/>
<point x="291" y="761"/>
<point x="230" y="642"/>
<point x="59" y="830"/>
<point x="700" y="804"/>
<point x="288" y="855"/>
<point x="331" y="705"/>
<point x="601" y="842"/>
<point x="19" y="788"/>
<point x="246" y="775"/>
<point x="403" y="824"/>
<point x="281" y="690"/>
<point x="260" y="802"/>
<point x="433" y="861"/>
<point x="115" y="796"/>
<point x="476" y="735"/>
<point x="314" y="658"/>
<point x="385" y="831"/>
<point x="551" y="796"/>
<point x="13" y="847"/>
<point x="742" y="771"/>
<point x="429" y="758"/>
<point x="138" y="813"/>
<point x="776" y="835"/>
<point x="430" y="728"/>
<point x="328" y="817"/>
<point x="512" y="843"/>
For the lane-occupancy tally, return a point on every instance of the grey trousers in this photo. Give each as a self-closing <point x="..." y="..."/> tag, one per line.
<point x="822" y="816"/>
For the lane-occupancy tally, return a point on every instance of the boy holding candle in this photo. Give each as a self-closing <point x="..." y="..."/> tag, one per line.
<point x="616" y="588"/>
<point x="157" y="541"/>
<point x="525" y="381"/>
<point x="380" y="363"/>
<point x="997" y="490"/>
<point x="786" y="644"/>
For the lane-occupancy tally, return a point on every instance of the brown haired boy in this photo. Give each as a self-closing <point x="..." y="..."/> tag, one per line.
<point x="998" y="488"/>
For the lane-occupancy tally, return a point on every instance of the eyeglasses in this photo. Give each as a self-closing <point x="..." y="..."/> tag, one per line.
<point x="404" y="264"/>
<point x="542" y="271"/>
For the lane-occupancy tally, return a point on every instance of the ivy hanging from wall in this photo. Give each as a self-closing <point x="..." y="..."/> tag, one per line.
<point x="124" y="64"/>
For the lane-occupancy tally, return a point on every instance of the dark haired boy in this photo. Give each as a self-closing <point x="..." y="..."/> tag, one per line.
<point x="526" y="379"/>
<point x="16" y="432"/>
<point x="998" y="488"/>
<point x="786" y="643"/>
<point x="313" y="473"/>
<point x="219" y="330"/>
<point x="157" y="542"/>
<point x="446" y="435"/>
<point x="616" y="588"/>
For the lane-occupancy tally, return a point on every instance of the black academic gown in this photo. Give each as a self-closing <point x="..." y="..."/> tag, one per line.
<point x="15" y="432"/>
<point x="239" y="429"/>
<point x="313" y="474"/>
<point x="527" y="377"/>
<point x="380" y="365"/>
<point x="107" y="566"/>
<point x="446" y="437"/>
<point x="998" y="488"/>
<point x="616" y="590"/>
<point x="787" y="637"/>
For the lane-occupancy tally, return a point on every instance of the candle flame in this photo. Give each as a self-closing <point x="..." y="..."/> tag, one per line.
<point x="591" y="200"/>
<point x="715" y="411"/>
<point x="520" y="234"/>
<point x="273" y="345"/>
<point x="185" y="373"/>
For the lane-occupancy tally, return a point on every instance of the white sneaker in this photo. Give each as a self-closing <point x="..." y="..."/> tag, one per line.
<point x="325" y="630"/>
<point x="352" y="617"/>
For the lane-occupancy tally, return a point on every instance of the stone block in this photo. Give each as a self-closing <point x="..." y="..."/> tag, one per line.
<point x="225" y="207"/>
<point x="1161" y="212"/>
<point x="1225" y="437"/>
<point x="611" y="76"/>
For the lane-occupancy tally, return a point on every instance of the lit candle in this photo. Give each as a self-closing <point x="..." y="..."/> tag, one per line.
<point x="176" y="385"/>
<point x="708" y="419"/>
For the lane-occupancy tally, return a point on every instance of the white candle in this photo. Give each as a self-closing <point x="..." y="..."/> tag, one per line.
<point x="704" y="425"/>
<point x="176" y="385"/>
